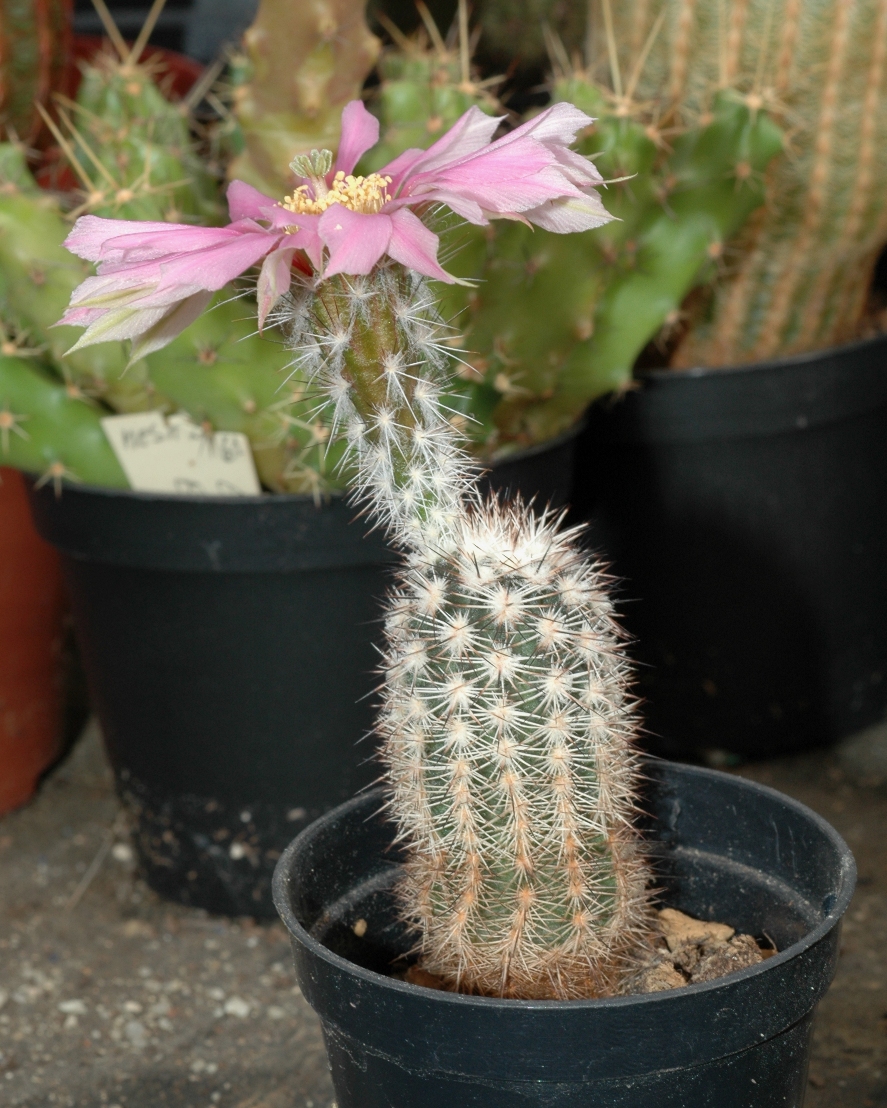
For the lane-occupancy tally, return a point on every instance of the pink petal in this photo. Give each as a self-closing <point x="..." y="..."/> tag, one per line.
<point x="360" y="131"/>
<point x="356" y="241"/>
<point x="570" y="214"/>
<point x="558" y="124"/>
<point x="118" y="324"/>
<point x="274" y="280"/>
<point x="470" y="133"/>
<point x="171" y="325"/>
<point x="245" y="202"/>
<point x="170" y="240"/>
<point x="90" y="233"/>
<point x="216" y="265"/>
<point x="415" y="246"/>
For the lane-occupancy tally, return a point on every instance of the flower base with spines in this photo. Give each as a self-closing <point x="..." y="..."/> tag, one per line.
<point x="507" y="718"/>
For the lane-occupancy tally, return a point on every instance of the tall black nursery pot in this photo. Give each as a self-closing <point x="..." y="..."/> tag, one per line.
<point x="731" y="851"/>
<point x="745" y="510"/>
<point x="229" y="649"/>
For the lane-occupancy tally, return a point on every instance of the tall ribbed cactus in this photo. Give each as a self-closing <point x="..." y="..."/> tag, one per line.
<point x="507" y="717"/>
<point x="805" y="266"/>
<point x="507" y="713"/>
<point x="305" y="62"/>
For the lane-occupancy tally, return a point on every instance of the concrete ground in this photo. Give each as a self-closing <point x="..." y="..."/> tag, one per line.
<point x="109" y="996"/>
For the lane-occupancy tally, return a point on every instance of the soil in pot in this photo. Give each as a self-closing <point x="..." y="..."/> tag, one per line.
<point x="728" y="849"/>
<point x="745" y="511"/>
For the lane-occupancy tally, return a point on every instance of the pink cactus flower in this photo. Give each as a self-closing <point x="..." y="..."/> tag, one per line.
<point x="153" y="279"/>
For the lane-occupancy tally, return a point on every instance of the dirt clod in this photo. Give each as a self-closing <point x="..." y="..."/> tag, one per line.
<point x="692" y="951"/>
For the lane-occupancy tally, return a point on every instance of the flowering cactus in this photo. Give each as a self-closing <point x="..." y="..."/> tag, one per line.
<point x="507" y="718"/>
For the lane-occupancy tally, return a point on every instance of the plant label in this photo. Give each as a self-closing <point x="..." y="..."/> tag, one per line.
<point x="174" y="455"/>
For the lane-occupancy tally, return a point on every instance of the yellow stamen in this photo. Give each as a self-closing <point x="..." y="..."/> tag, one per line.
<point x="360" y="194"/>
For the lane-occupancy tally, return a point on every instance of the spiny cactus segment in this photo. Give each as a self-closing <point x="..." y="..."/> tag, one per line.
<point x="507" y="717"/>
<point x="132" y="147"/>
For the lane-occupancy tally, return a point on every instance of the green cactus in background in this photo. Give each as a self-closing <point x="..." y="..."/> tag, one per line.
<point x="37" y="277"/>
<point x="556" y="321"/>
<point x="507" y="719"/>
<point x="802" y="275"/>
<point x="51" y="429"/>
<point x="35" y="54"/>
<point x="228" y="377"/>
<point x="425" y="87"/>
<point x="305" y="62"/>
<point x="133" y="148"/>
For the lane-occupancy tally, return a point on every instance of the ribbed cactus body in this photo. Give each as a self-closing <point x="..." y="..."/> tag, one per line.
<point x="507" y="736"/>
<point x="801" y="278"/>
<point x="35" y="53"/>
<point x="557" y="320"/>
<point x="306" y="61"/>
<point x="49" y="430"/>
<point x="506" y="717"/>
<point x="134" y="144"/>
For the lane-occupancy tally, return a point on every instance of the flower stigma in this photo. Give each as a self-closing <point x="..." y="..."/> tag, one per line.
<point x="367" y="195"/>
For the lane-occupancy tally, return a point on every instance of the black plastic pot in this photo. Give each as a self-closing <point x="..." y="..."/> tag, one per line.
<point x="229" y="649"/>
<point x="746" y="511"/>
<point x="731" y="851"/>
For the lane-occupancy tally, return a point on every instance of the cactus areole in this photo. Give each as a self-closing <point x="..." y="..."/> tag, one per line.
<point x="507" y="718"/>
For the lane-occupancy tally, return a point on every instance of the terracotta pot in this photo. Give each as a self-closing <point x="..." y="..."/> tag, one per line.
<point x="31" y="636"/>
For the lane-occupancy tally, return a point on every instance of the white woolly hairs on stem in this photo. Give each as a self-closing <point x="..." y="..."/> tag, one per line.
<point x="507" y="719"/>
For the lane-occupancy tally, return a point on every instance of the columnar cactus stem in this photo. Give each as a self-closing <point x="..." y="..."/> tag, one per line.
<point x="306" y="60"/>
<point x="377" y="349"/>
<point x="798" y="282"/>
<point x="507" y="718"/>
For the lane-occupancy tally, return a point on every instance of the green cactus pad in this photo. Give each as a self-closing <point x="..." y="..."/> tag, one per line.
<point x="49" y="430"/>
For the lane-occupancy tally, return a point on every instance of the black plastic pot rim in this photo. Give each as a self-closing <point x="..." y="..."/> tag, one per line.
<point x="189" y="498"/>
<point x="318" y="950"/>
<point x="484" y="466"/>
<point x="807" y="358"/>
